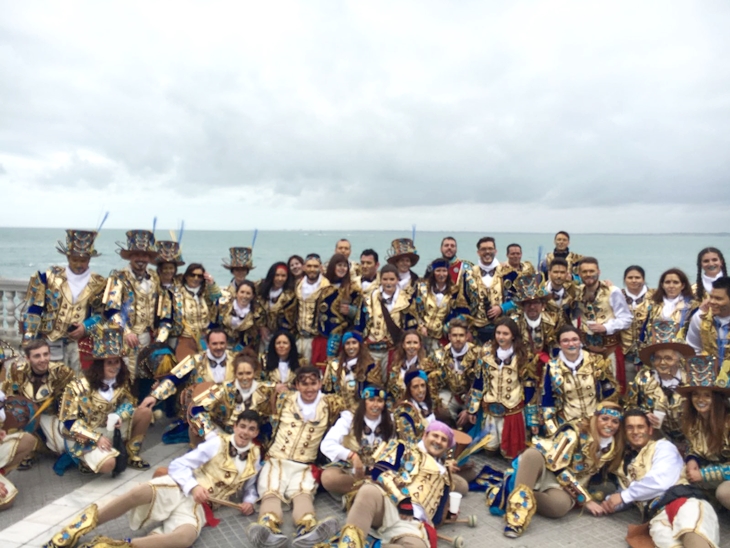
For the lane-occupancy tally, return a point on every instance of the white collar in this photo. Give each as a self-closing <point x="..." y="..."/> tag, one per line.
<point x="491" y="266"/>
<point x="412" y="361"/>
<point x="77" y="282"/>
<point x="671" y="383"/>
<point x="504" y="354"/>
<point x="673" y="301"/>
<point x="534" y="324"/>
<point x="219" y="361"/>
<point x="240" y="450"/>
<point x="461" y="352"/>
<point x="274" y="293"/>
<point x="639" y="296"/>
<point x="604" y="442"/>
<point x="242" y="312"/>
<point x="573" y="366"/>
<point x="723" y="321"/>
<point x="392" y="298"/>
<point x="309" y="410"/>
<point x="707" y="281"/>
<point x="373" y="423"/>
<point x="194" y="290"/>
<point x="351" y="363"/>
<point x="246" y="393"/>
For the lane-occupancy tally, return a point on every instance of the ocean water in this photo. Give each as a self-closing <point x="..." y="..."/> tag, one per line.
<point x="25" y="250"/>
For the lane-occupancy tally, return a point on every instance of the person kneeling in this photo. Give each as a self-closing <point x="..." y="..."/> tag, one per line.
<point x="217" y="469"/>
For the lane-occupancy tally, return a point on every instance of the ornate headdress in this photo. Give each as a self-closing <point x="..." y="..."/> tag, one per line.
<point x="79" y="243"/>
<point x="108" y="342"/>
<point x="702" y="373"/>
<point x="241" y="257"/>
<point x="664" y="337"/>
<point x="138" y="241"/>
<point x="402" y="247"/>
<point x="169" y="252"/>
<point x="527" y="288"/>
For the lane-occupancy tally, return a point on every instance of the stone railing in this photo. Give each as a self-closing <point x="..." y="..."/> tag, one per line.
<point x="12" y="300"/>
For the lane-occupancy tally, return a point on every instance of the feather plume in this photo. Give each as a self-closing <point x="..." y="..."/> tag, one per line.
<point x="103" y="220"/>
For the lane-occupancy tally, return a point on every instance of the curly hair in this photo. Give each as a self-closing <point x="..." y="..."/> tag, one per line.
<point x="659" y="294"/>
<point x="95" y="374"/>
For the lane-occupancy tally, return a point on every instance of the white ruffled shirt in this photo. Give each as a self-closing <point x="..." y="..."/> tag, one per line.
<point x="309" y="410"/>
<point x="77" y="282"/>
<point x="487" y="278"/>
<point x="310" y="289"/>
<point x="573" y="366"/>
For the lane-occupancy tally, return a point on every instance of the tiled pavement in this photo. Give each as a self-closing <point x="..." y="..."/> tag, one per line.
<point x="46" y="502"/>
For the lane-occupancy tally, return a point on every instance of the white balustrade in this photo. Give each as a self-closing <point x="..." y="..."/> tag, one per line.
<point x="12" y="301"/>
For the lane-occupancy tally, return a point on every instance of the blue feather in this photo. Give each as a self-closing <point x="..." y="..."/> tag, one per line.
<point x="255" y="233"/>
<point x="539" y="256"/>
<point x="413" y="233"/>
<point x="124" y="313"/>
<point x="103" y="220"/>
<point x="180" y="233"/>
<point x="154" y="225"/>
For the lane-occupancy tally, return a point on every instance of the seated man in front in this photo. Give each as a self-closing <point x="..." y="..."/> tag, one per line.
<point x="180" y="501"/>
<point x="301" y="419"/>
<point x="407" y="494"/>
<point x="678" y="513"/>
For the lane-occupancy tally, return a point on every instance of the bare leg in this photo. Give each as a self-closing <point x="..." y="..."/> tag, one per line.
<point x="693" y="540"/>
<point x="301" y="505"/>
<point x="368" y="509"/>
<point x="137" y="496"/>
<point x="270" y="505"/>
<point x="337" y="481"/>
<point x="182" y="537"/>
<point x="553" y="503"/>
<point x="723" y="494"/>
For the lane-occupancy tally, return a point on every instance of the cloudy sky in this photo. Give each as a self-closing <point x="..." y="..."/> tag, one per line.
<point x="469" y="115"/>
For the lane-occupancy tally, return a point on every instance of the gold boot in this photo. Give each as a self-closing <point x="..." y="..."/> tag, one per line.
<point x="350" y="537"/>
<point x="106" y="542"/>
<point x="520" y="508"/>
<point x="134" y="446"/>
<point x="266" y="532"/>
<point x="79" y="526"/>
<point x="310" y="532"/>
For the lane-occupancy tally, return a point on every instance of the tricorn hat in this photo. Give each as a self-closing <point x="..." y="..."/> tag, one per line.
<point x="138" y="241"/>
<point x="108" y="342"/>
<point x="79" y="243"/>
<point x="663" y="336"/>
<point x="241" y="257"/>
<point x="528" y="288"/>
<point x="702" y="374"/>
<point x="168" y="252"/>
<point x="402" y="247"/>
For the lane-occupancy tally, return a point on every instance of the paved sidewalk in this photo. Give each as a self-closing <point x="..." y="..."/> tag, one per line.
<point x="46" y="502"/>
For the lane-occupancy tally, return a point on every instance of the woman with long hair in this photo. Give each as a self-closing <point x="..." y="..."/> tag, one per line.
<point x="415" y="410"/>
<point x="706" y="425"/>
<point x="555" y="474"/>
<point x="353" y="439"/>
<point x="194" y="303"/>
<point x="99" y="402"/>
<point x="410" y="354"/>
<point x="437" y="305"/>
<point x="337" y="310"/>
<point x="296" y="267"/>
<point x="638" y="296"/>
<point x="277" y="297"/>
<point x="352" y="370"/>
<point x="281" y="361"/>
<point x="242" y="318"/>
<point x="509" y="384"/>
<point x="710" y="266"/>
<point x="673" y="304"/>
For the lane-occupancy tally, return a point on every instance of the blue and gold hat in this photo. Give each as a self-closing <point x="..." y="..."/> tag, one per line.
<point x="79" y="243"/>
<point x="664" y="336"/>
<point x="702" y="374"/>
<point x="169" y="252"/>
<point x="527" y="288"/>
<point x="241" y="257"/>
<point x="108" y="342"/>
<point x="138" y="241"/>
<point x="402" y="247"/>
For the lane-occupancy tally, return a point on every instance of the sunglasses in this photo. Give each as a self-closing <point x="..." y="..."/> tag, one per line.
<point x="196" y="275"/>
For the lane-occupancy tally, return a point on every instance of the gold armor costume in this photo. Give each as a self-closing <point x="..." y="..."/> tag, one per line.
<point x="338" y="381"/>
<point x="195" y="369"/>
<point x="646" y="392"/>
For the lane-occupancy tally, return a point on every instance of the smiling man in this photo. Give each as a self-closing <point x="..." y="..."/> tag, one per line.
<point x="406" y="495"/>
<point x="218" y="468"/>
<point x="651" y="477"/>
<point x="65" y="302"/>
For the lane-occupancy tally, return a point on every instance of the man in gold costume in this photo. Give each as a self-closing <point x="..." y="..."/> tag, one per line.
<point x="41" y="381"/>
<point x="181" y="500"/>
<point x="301" y="419"/>
<point x="406" y="495"/>
<point x="64" y="303"/>
<point x="562" y="250"/>
<point x="132" y="298"/>
<point x="652" y="478"/>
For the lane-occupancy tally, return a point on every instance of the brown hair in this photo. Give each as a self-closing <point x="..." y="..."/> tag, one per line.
<point x="400" y="353"/>
<point x="518" y="346"/>
<point x="364" y="360"/>
<point x="590" y="426"/>
<point x="34" y="345"/>
<point x="95" y="374"/>
<point x="711" y="430"/>
<point x="386" y="422"/>
<point x="659" y="293"/>
<point x="336" y="259"/>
